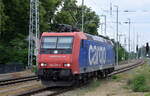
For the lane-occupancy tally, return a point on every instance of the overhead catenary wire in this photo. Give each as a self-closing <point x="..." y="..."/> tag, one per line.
<point x="102" y="22"/>
<point x="102" y="12"/>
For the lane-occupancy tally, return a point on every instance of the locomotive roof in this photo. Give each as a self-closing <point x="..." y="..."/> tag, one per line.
<point x="99" y="38"/>
<point x="89" y="36"/>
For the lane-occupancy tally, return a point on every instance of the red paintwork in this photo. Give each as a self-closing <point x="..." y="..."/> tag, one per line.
<point x="58" y="60"/>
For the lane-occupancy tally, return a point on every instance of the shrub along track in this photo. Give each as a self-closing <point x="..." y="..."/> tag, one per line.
<point x="44" y="91"/>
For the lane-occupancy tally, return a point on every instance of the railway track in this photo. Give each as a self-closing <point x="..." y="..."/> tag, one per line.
<point x="30" y="78"/>
<point x="54" y="93"/>
<point x="127" y="68"/>
<point x="46" y="92"/>
<point x="17" y="80"/>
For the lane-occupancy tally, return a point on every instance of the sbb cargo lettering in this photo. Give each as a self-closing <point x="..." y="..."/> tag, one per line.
<point x="97" y="55"/>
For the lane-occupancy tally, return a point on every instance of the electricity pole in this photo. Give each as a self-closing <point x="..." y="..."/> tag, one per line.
<point x="129" y="22"/>
<point x="105" y="22"/>
<point x="137" y="49"/>
<point x="117" y="46"/>
<point x="82" y="15"/>
<point x="110" y="7"/>
<point x="33" y="31"/>
<point x="125" y="47"/>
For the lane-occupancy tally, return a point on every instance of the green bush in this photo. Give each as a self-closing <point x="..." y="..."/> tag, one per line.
<point x="138" y="84"/>
<point x="114" y="77"/>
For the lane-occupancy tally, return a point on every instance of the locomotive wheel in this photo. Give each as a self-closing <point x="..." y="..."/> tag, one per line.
<point x="77" y="80"/>
<point x="99" y="75"/>
<point x="102" y="74"/>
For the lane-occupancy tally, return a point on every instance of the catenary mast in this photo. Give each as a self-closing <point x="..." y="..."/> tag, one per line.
<point x="33" y="31"/>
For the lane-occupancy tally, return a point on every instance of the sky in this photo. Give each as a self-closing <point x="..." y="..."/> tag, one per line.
<point x="139" y="14"/>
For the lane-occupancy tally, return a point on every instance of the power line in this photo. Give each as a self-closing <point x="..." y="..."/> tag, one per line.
<point x="114" y="22"/>
<point x="129" y="11"/>
<point x="97" y="5"/>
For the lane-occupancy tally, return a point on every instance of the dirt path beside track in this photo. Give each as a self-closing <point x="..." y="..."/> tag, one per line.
<point x="109" y="87"/>
<point x="112" y="88"/>
<point x="16" y="74"/>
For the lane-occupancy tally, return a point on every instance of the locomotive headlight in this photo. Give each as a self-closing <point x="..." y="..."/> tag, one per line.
<point x="67" y="65"/>
<point x="43" y="64"/>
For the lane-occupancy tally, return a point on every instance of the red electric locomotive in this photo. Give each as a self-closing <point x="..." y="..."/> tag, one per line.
<point x="71" y="56"/>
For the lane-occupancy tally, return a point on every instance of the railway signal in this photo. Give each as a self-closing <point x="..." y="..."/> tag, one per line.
<point x="147" y="48"/>
<point x="137" y="50"/>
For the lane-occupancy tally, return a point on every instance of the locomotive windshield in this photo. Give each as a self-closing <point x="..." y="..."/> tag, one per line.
<point x="49" y="42"/>
<point x="63" y="44"/>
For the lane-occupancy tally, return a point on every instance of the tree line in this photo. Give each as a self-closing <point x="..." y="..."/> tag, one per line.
<point x="14" y="24"/>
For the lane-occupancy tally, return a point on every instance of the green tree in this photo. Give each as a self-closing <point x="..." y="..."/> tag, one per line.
<point x="67" y="13"/>
<point x="122" y="53"/>
<point x="14" y="43"/>
<point x="3" y="18"/>
<point x="91" y="20"/>
<point x="47" y="13"/>
<point x="18" y="13"/>
<point x="72" y="14"/>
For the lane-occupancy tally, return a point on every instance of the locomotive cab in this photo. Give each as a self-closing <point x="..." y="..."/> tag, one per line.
<point x="58" y="56"/>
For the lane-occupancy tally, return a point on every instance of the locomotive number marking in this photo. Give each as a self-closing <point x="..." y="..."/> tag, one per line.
<point x="97" y="55"/>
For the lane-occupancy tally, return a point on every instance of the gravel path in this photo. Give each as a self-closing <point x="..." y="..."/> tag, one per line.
<point x="106" y="88"/>
<point x="15" y="89"/>
<point x="111" y="88"/>
<point x="16" y="74"/>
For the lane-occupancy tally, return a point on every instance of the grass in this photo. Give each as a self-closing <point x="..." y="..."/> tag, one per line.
<point x="115" y="77"/>
<point x="147" y="94"/>
<point x="140" y="79"/>
<point x="88" y="88"/>
<point x="94" y="84"/>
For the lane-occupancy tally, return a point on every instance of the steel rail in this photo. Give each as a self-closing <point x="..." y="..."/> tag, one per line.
<point x="17" y="80"/>
<point x="36" y="91"/>
<point x="127" y="68"/>
<point x="28" y="93"/>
